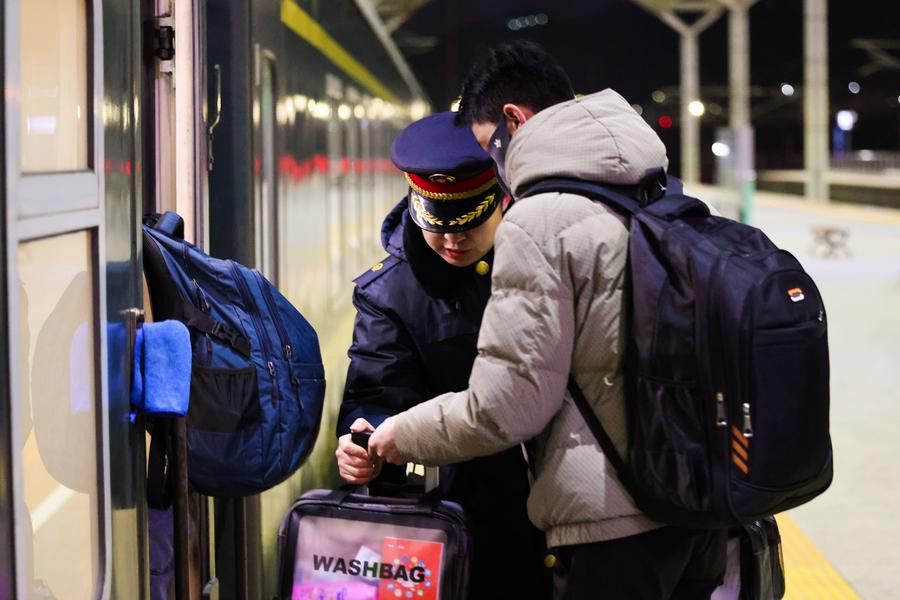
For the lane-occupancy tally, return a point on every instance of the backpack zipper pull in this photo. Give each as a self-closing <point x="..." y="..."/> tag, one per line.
<point x="748" y="429"/>
<point x="274" y="382"/>
<point x="721" y="421"/>
<point x="288" y="352"/>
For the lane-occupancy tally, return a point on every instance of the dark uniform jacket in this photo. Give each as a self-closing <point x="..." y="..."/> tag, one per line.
<point x="415" y="338"/>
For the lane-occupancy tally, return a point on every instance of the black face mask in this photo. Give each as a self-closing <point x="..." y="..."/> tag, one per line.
<point x="497" y="149"/>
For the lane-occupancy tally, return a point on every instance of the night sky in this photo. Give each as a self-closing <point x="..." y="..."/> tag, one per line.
<point x="615" y="43"/>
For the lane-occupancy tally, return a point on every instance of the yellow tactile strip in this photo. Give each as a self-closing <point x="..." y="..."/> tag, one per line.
<point x="808" y="574"/>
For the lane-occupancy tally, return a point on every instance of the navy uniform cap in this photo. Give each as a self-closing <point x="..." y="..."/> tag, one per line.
<point x="452" y="181"/>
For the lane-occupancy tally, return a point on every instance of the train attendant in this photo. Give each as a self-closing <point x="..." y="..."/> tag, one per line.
<point x="418" y="314"/>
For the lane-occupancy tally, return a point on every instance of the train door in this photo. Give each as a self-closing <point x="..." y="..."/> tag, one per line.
<point x="69" y="282"/>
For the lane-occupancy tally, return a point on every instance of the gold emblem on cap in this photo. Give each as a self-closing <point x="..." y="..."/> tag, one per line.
<point x="423" y="213"/>
<point x="441" y="178"/>
<point x="474" y="214"/>
<point x="378" y="266"/>
<point x="482" y="268"/>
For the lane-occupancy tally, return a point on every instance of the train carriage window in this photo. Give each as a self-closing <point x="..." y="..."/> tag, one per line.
<point x="55" y="109"/>
<point x="267" y="184"/>
<point x="372" y="219"/>
<point x="59" y="417"/>
<point x="352" y="226"/>
<point x="337" y="272"/>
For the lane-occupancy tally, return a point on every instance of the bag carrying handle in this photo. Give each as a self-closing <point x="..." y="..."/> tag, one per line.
<point x="361" y="439"/>
<point x="171" y="224"/>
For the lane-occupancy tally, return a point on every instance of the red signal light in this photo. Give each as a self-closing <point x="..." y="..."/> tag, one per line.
<point x="665" y="121"/>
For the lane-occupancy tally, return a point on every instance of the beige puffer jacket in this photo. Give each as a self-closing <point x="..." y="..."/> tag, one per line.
<point x="554" y="309"/>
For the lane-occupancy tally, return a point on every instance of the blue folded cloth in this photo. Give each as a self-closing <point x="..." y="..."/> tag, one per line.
<point x="162" y="369"/>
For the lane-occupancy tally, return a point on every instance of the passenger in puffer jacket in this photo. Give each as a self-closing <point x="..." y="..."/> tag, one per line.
<point x="555" y="309"/>
<point x="418" y="315"/>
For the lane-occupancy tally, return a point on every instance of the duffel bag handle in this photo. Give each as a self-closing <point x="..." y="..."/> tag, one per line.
<point x="432" y="474"/>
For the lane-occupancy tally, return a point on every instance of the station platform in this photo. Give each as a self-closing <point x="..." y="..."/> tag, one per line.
<point x="846" y="543"/>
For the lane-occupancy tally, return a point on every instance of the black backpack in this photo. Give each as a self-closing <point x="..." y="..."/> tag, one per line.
<point x="726" y="366"/>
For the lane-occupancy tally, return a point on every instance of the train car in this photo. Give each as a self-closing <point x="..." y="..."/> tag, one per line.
<point x="267" y="126"/>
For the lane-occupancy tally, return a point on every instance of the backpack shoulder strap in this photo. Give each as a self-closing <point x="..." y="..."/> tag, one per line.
<point x="621" y="203"/>
<point x="673" y="205"/>
<point x="606" y="443"/>
<point x="199" y="320"/>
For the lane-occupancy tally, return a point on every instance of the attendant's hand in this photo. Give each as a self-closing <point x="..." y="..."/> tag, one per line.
<point x="355" y="465"/>
<point x="384" y="444"/>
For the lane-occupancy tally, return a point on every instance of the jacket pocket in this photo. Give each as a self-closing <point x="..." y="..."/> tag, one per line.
<point x="223" y="400"/>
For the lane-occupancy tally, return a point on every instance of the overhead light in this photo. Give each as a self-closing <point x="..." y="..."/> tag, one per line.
<point x="721" y="149"/>
<point x="417" y="110"/>
<point x="846" y="119"/>
<point x="517" y="23"/>
<point x="658" y="96"/>
<point x="696" y="108"/>
<point x="787" y="89"/>
<point x="321" y="110"/>
<point x="853" y="87"/>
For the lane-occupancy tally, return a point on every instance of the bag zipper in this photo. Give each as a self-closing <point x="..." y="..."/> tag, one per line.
<point x="259" y="325"/>
<point x="748" y="428"/>
<point x="718" y="362"/>
<point x="287" y="350"/>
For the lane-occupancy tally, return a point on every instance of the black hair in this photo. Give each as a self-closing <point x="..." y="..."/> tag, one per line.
<point x="521" y="72"/>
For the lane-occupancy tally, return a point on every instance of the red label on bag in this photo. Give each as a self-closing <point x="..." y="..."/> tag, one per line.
<point x="415" y="567"/>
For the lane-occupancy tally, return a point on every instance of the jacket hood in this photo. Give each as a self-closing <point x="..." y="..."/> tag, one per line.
<point x="392" y="230"/>
<point x="597" y="138"/>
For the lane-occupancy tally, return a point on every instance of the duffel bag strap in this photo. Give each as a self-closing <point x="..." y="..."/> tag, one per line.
<point x="201" y="321"/>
